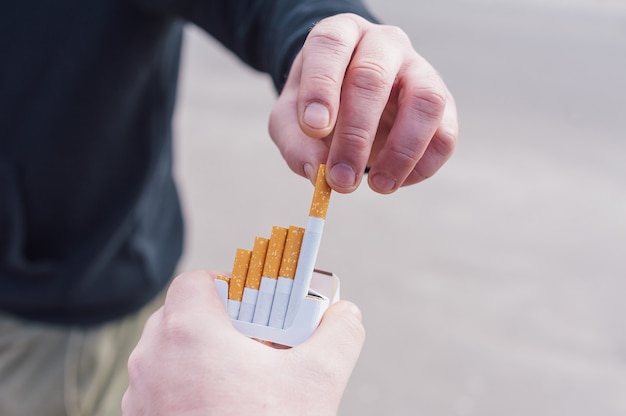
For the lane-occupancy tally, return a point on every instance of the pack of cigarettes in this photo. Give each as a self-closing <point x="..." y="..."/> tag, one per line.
<point x="274" y="292"/>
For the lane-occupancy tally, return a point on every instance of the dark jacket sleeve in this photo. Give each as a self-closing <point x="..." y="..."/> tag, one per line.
<point x="265" y="34"/>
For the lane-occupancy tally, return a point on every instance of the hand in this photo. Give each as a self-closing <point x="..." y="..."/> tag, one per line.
<point x="191" y="361"/>
<point x="359" y="95"/>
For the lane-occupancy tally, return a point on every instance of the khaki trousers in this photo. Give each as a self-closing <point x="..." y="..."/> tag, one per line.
<point x="66" y="371"/>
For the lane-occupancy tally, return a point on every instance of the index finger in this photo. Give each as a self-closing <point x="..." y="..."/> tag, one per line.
<point x="365" y="93"/>
<point x="346" y="60"/>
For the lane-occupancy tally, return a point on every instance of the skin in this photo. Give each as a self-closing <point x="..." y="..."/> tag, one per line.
<point x="358" y="95"/>
<point x="190" y="360"/>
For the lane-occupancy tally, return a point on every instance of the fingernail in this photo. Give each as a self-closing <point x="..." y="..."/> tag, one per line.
<point x="343" y="175"/>
<point x="308" y="171"/>
<point x="316" y="116"/>
<point x="383" y="182"/>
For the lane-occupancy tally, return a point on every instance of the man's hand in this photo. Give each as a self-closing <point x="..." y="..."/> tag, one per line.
<point x="358" y="95"/>
<point x="191" y="361"/>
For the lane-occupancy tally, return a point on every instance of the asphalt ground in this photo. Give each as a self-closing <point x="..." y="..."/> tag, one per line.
<point x="495" y="287"/>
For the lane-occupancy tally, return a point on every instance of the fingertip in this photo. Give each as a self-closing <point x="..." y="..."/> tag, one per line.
<point x="346" y="308"/>
<point x="316" y="118"/>
<point x="343" y="178"/>
<point x="447" y="141"/>
<point x="448" y="131"/>
<point x="383" y="183"/>
<point x="191" y="281"/>
<point x="309" y="172"/>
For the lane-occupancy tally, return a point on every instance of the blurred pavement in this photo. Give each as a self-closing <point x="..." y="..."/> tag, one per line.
<point x="497" y="286"/>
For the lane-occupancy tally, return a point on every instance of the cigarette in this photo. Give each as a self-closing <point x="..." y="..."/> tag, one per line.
<point x="289" y="261"/>
<point x="321" y="195"/>
<point x="286" y="274"/>
<point x="275" y="251"/>
<point x="270" y="275"/>
<point x="237" y="280"/>
<point x="223" y="290"/>
<point x="310" y="245"/>
<point x="253" y="279"/>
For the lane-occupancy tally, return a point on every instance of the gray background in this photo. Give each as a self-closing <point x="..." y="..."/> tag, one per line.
<point x="495" y="287"/>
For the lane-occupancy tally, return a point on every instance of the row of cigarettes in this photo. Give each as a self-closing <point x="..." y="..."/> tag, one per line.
<point x="269" y="282"/>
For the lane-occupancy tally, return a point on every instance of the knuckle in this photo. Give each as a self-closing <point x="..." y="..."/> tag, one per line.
<point x="420" y="173"/>
<point x="406" y="155"/>
<point x="134" y="366"/>
<point x="355" y="139"/>
<point x="127" y="405"/>
<point x="326" y="49"/>
<point x="331" y="38"/>
<point x="174" y="326"/>
<point x="328" y="40"/>
<point x="426" y="168"/>
<point x="444" y="144"/>
<point x="396" y="33"/>
<point x="324" y="82"/>
<point x="429" y="101"/>
<point x="369" y="77"/>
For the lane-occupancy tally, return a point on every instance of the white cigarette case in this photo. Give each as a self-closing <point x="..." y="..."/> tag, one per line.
<point x="323" y="291"/>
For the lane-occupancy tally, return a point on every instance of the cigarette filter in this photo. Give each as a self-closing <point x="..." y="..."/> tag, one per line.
<point x="237" y="280"/>
<point x="286" y="275"/>
<point x="310" y="245"/>
<point x="253" y="279"/>
<point x="270" y="275"/>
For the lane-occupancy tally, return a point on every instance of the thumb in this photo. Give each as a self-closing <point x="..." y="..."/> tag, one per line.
<point x="301" y="152"/>
<point x="193" y="296"/>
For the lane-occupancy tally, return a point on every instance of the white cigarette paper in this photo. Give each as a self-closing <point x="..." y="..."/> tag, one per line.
<point x="306" y="265"/>
<point x="248" y="304"/>
<point x="237" y="280"/>
<point x="233" y="308"/>
<point x="310" y="245"/>
<point x="286" y="274"/>
<point x="271" y="269"/>
<point x="280" y="303"/>
<point x="223" y="289"/>
<point x="253" y="279"/>
<point x="264" y="301"/>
